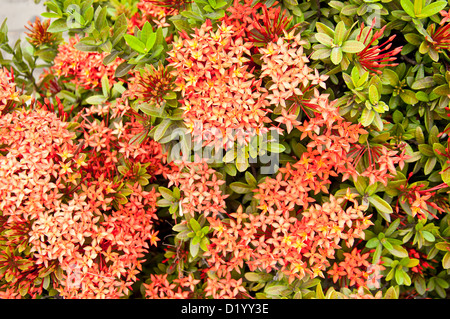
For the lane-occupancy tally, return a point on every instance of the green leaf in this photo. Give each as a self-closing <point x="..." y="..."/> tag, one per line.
<point x="123" y="69"/>
<point x="96" y="99"/>
<point x="319" y="292"/>
<point x="275" y="147"/>
<point x="152" y="110"/>
<point x="324" y="39"/>
<point x="381" y="205"/>
<point x="322" y="28"/>
<point x="100" y="19"/>
<point x="426" y="150"/>
<point x="216" y="15"/>
<point x="50" y="15"/>
<point x="431" y="9"/>
<point x="135" y="43"/>
<point x="352" y="46"/>
<point x="59" y="25"/>
<point x="392" y="227"/>
<point x="257" y="277"/>
<point x="161" y="129"/>
<point x="367" y="117"/>
<point x="420" y="285"/>
<point x="277" y="289"/>
<point x="408" y="7"/>
<point x="230" y="169"/>
<point x="423" y="83"/>
<point x="204" y="243"/>
<point x="339" y="33"/>
<point x="170" y="96"/>
<point x="391" y="293"/>
<point x="409" y="97"/>
<point x="250" y="179"/>
<point x="195" y="226"/>
<point x="191" y="15"/>
<point x="386" y="244"/>
<point x="241" y="188"/>
<point x="373" y="94"/>
<point x="446" y="261"/>
<point x="194" y="249"/>
<point x="372" y="243"/>
<point x="336" y="55"/>
<point x="166" y="193"/>
<point x="398" y="251"/>
<point x="321" y="54"/>
<point x="389" y="77"/>
<point x="443" y="246"/>
<point x="150" y="41"/>
<point x="443" y="90"/>
<point x="428" y="236"/>
<point x="429" y="165"/>
<point x="413" y="38"/>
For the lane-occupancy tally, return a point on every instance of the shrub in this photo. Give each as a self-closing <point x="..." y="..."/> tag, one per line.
<point x="226" y="149"/>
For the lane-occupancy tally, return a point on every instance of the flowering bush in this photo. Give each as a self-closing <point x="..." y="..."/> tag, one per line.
<point x="226" y="149"/>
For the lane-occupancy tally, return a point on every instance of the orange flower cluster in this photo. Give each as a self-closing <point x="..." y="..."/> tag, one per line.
<point x="159" y="287"/>
<point x="200" y="189"/>
<point x="85" y="69"/>
<point x="326" y="156"/>
<point x="149" y="11"/>
<point x="67" y="235"/>
<point x="8" y="90"/>
<point x="242" y="16"/>
<point x="105" y="146"/>
<point x="219" y="92"/>
<point x="224" y="288"/>
<point x="255" y="27"/>
<point x="286" y="66"/>
<point x="421" y="200"/>
<point x="32" y="174"/>
<point x="38" y="34"/>
<point x="150" y="85"/>
<point x="357" y="269"/>
<point x="107" y="255"/>
<point x="281" y="242"/>
<point x="384" y="168"/>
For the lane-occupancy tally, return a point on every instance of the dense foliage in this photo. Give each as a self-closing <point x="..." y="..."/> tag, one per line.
<point x="226" y="149"/>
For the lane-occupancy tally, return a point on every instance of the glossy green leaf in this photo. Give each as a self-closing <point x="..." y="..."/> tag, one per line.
<point x="241" y="188"/>
<point x="381" y="206"/>
<point x="353" y="46"/>
<point x="324" y="39"/>
<point x="432" y="9"/>
<point x="135" y="43"/>
<point x="408" y="7"/>
<point x="336" y="55"/>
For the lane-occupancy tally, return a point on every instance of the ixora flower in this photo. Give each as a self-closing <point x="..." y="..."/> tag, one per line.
<point x="38" y="34"/>
<point x="51" y="231"/>
<point x="85" y="69"/>
<point x="8" y="91"/>
<point x="156" y="183"/>
<point x="150" y="84"/>
<point x="274" y="241"/>
<point x="218" y="89"/>
<point x="373" y="58"/>
<point x="154" y="11"/>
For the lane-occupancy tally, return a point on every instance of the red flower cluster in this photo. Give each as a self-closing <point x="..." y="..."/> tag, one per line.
<point x="85" y="69"/>
<point x="57" y="204"/>
<point x="8" y="91"/>
<point x="373" y="58"/>
<point x="200" y="189"/>
<point x="357" y="269"/>
<point x="220" y="95"/>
